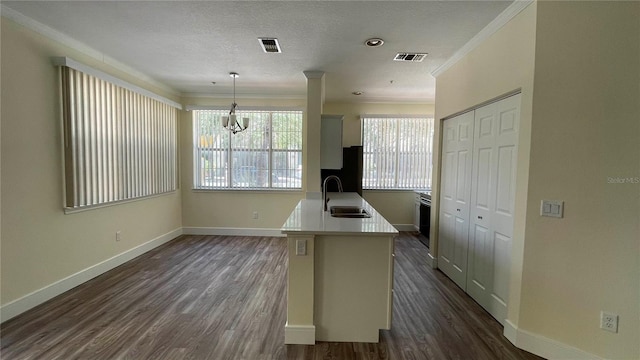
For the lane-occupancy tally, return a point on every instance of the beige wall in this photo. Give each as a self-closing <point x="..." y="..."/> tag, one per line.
<point x="231" y="209"/>
<point x="579" y="127"/>
<point x="586" y="130"/>
<point x="503" y="63"/>
<point x="234" y="209"/>
<point x="40" y="244"/>
<point x="396" y="206"/>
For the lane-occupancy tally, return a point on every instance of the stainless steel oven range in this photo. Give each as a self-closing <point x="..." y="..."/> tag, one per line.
<point x="425" y="213"/>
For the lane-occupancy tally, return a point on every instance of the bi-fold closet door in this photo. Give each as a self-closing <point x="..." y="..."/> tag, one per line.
<point x="477" y="198"/>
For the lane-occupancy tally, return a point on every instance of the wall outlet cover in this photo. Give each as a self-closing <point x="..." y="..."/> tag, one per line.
<point x="609" y="321"/>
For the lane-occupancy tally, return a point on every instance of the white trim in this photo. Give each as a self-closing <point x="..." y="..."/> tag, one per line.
<point x="71" y="210"/>
<point x="299" y="334"/>
<point x="396" y="116"/>
<point x="543" y="346"/>
<point x="244" y="108"/>
<point x="245" y="96"/>
<point x="232" y="231"/>
<point x="432" y="261"/>
<point x="404" y="227"/>
<point x="69" y="62"/>
<point x="76" y="45"/>
<point x="38" y="297"/>
<point x="313" y="74"/>
<point x="509" y="13"/>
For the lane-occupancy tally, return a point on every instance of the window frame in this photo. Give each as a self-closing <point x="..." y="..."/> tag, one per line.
<point x="197" y="168"/>
<point x="426" y="155"/>
<point x="119" y="141"/>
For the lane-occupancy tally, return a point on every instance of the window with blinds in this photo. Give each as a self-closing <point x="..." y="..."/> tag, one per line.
<point x="118" y="144"/>
<point x="268" y="155"/>
<point x="397" y="151"/>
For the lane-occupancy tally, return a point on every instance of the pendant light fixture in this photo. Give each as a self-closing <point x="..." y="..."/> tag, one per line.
<point x="231" y="122"/>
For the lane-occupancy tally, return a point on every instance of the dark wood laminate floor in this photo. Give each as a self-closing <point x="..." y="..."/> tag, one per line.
<point x="221" y="297"/>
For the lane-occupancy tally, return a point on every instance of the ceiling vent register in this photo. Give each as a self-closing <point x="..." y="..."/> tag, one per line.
<point x="270" y="45"/>
<point x="411" y="57"/>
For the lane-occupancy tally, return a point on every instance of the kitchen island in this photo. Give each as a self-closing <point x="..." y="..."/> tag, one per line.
<point x="340" y="275"/>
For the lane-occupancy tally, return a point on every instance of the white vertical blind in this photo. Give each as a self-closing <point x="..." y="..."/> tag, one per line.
<point x="268" y="155"/>
<point x="118" y="144"/>
<point x="397" y="151"/>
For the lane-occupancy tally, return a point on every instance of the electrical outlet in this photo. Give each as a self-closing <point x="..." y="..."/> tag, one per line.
<point x="608" y="321"/>
<point x="301" y="247"/>
<point x="118" y="235"/>
<point x="255" y="214"/>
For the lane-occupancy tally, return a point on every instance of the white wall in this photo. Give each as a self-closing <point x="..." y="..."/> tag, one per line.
<point x="40" y="244"/>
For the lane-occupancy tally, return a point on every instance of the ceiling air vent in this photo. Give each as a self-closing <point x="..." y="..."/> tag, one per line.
<point x="413" y="57"/>
<point x="270" y="45"/>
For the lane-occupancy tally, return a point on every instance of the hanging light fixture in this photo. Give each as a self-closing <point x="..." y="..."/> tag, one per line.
<point x="231" y="122"/>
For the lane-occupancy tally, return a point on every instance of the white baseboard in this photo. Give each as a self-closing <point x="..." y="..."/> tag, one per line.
<point x="18" y="306"/>
<point x="432" y="261"/>
<point x="299" y="334"/>
<point x="543" y="346"/>
<point x="232" y="231"/>
<point x="404" y="227"/>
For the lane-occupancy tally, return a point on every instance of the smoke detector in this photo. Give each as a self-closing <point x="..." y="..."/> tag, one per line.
<point x="270" y="45"/>
<point x="412" y="57"/>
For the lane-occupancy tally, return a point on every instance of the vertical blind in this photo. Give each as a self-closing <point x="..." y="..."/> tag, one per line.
<point x="397" y="151"/>
<point x="268" y="155"/>
<point x="118" y="144"/>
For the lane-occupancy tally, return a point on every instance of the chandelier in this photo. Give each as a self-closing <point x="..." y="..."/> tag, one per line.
<point x="231" y="122"/>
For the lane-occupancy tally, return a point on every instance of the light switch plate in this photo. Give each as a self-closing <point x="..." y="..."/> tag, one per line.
<point x="552" y="208"/>
<point x="301" y="247"/>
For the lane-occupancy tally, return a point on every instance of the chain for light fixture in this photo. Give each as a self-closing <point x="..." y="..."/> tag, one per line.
<point x="231" y="122"/>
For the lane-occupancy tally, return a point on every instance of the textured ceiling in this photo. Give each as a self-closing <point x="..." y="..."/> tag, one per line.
<point x="188" y="44"/>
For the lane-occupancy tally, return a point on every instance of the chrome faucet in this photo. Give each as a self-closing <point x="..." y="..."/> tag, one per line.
<point x="325" y="199"/>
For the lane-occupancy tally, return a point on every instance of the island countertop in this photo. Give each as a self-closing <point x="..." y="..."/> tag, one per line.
<point x="308" y="217"/>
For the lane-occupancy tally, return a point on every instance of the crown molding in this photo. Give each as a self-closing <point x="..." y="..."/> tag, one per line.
<point x="81" y="47"/>
<point x="504" y="17"/>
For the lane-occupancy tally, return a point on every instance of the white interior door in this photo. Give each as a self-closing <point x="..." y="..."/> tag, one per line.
<point x="492" y="202"/>
<point x="455" y="191"/>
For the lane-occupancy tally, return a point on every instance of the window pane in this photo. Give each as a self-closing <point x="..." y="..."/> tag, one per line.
<point x="246" y="160"/>
<point x="287" y="169"/>
<point x="250" y="169"/>
<point x="397" y="152"/>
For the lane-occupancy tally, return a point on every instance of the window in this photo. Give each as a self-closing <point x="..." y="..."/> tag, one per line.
<point x="119" y="143"/>
<point x="397" y="151"/>
<point x="268" y="155"/>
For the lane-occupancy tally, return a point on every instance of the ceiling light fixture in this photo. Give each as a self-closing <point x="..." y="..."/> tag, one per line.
<point x="231" y="122"/>
<point x="357" y="93"/>
<point x="374" y="42"/>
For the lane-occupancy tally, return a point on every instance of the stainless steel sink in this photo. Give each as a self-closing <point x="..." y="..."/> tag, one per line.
<point x="349" y="212"/>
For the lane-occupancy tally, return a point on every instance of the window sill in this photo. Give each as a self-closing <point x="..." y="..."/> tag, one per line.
<point x="389" y="190"/>
<point x="248" y="190"/>
<point x="71" y="210"/>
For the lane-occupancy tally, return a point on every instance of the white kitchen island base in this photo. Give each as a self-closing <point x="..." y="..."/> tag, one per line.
<point x="341" y="288"/>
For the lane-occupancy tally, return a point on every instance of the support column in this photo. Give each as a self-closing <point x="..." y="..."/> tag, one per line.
<point x="315" y="101"/>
